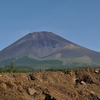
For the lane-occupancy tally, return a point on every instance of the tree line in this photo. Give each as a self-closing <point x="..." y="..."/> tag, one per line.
<point x="10" y="67"/>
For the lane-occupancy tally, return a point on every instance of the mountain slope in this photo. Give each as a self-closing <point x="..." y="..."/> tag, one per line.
<point x="76" y="54"/>
<point x="47" y="46"/>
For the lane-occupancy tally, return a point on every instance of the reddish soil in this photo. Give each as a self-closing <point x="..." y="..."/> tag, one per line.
<point x="82" y="84"/>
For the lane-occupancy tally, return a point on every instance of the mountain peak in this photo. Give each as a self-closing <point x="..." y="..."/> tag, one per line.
<point x="42" y="34"/>
<point x="39" y="35"/>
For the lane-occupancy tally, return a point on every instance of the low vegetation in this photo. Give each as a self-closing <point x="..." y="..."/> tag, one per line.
<point x="11" y="68"/>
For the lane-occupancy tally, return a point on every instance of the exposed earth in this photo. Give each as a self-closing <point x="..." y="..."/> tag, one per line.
<point x="80" y="84"/>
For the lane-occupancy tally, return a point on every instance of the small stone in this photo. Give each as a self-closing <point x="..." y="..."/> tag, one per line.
<point x="31" y="91"/>
<point x="0" y="75"/>
<point x="92" y="92"/>
<point x="76" y="79"/>
<point x="96" y="71"/>
<point x="82" y="82"/>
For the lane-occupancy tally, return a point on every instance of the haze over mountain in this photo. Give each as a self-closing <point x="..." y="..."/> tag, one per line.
<point x="48" y="46"/>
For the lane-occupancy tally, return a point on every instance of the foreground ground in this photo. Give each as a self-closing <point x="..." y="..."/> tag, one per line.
<point x="82" y="84"/>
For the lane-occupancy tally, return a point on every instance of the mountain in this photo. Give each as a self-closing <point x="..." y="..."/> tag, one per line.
<point x="35" y="45"/>
<point x="47" y="48"/>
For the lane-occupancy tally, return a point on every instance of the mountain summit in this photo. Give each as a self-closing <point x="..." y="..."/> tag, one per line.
<point x="48" y="46"/>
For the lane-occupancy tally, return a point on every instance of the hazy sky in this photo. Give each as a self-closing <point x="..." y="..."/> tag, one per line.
<point x="76" y="20"/>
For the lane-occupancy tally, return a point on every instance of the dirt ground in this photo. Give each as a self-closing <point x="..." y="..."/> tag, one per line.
<point x="82" y="84"/>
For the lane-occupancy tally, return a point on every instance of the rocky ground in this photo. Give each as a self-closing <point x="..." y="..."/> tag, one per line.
<point x="82" y="84"/>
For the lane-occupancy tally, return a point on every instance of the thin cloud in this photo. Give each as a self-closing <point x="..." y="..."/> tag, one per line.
<point x="24" y="32"/>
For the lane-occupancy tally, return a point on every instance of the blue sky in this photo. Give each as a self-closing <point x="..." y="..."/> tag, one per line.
<point x="76" y="20"/>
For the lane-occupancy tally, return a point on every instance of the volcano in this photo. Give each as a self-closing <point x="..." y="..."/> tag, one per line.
<point x="48" y="46"/>
<point x="37" y="44"/>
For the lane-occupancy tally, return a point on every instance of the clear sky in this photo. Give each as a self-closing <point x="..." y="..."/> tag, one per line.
<point x="76" y="20"/>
